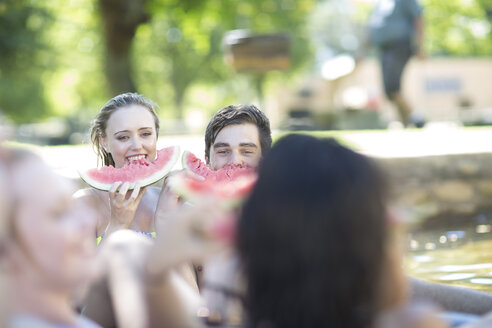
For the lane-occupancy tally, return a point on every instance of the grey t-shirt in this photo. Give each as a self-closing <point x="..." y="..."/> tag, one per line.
<point x="393" y="20"/>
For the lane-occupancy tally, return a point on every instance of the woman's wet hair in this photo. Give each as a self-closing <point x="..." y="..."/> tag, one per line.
<point x="311" y="237"/>
<point x="100" y="122"/>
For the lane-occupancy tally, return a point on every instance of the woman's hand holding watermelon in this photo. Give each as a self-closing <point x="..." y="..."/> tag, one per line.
<point x="123" y="204"/>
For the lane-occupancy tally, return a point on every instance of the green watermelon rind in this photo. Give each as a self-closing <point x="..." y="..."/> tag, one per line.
<point x="184" y="163"/>
<point x="158" y="175"/>
<point x="179" y="186"/>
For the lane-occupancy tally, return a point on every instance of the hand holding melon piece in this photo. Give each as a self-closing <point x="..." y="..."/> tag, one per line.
<point x="192" y="233"/>
<point x="226" y="194"/>
<point x="228" y="173"/>
<point x="123" y="205"/>
<point x="227" y="187"/>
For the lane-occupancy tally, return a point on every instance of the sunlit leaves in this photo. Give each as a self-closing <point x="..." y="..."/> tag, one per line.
<point x="457" y="28"/>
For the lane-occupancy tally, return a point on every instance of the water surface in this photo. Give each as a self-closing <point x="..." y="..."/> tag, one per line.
<point x="455" y="251"/>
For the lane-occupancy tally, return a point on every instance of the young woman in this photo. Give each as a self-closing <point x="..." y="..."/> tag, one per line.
<point x="48" y="253"/>
<point x="4" y="210"/>
<point x="125" y="129"/>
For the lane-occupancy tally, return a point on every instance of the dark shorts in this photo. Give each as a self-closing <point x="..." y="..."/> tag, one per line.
<point x="394" y="56"/>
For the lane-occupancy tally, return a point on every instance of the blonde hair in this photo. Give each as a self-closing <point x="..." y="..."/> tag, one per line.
<point x="100" y="122"/>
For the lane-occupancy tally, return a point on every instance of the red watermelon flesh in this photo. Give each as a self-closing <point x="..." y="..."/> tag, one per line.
<point x="225" y="228"/>
<point x="230" y="172"/>
<point x="142" y="171"/>
<point x="229" y="185"/>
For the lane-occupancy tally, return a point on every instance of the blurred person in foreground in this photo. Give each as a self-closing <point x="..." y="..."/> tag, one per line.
<point x="396" y="28"/>
<point x="48" y="252"/>
<point x="4" y="210"/>
<point x="316" y="243"/>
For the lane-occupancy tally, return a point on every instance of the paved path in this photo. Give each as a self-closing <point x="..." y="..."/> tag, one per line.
<point x="432" y="140"/>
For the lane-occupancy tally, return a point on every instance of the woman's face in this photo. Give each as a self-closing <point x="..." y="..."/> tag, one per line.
<point x="54" y="234"/>
<point x="130" y="135"/>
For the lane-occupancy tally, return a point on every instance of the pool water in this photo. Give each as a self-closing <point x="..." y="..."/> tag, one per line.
<point x="455" y="251"/>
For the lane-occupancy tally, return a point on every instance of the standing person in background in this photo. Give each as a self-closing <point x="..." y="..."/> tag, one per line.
<point x="396" y="28"/>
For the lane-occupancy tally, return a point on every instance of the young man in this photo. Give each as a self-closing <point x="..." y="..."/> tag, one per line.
<point x="237" y="134"/>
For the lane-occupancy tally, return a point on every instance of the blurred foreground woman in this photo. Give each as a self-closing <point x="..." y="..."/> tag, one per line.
<point x="48" y="253"/>
<point x="316" y="245"/>
<point x="4" y="208"/>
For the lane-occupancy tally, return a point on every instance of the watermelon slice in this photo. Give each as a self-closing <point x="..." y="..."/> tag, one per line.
<point x="228" y="173"/>
<point x="229" y="185"/>
<point x="141" y="171"/>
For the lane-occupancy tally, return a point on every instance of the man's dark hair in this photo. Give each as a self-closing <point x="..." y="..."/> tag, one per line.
<point x="239" y="114"/>
<point x="312" y="237"/>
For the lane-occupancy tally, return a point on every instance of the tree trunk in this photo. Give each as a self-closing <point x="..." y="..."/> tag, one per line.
<point x="121" y="19"/>
<point x="178" y="102"/>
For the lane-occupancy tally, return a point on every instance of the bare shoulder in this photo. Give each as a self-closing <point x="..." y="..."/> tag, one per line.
<point x="87" y="194"/>
<point x="84" y="193"/>
<point x="95" y="198"/>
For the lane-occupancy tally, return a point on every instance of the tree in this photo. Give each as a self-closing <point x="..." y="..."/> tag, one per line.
<point x="456" y="28"/>
<point x="487" y="8"/>
<point x="120" y="19"/>
<point x="188" y="37"/>
<point x="24" y="57"/>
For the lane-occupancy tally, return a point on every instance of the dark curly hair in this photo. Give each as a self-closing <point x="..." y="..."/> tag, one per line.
<point x="311" y="237"/>
<point x="239" y="114"/>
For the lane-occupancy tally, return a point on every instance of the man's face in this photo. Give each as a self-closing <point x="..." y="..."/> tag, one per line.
<point x="236" y="144"/>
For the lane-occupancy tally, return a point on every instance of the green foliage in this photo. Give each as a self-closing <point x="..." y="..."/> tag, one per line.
<point x="457" y="28"/>
<point x="51" y="52"/>
<point x="23" y="59"/>
<point x="182" y="45"/>
<point x="50" y="59"/>
<point x="77" y="87"/>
